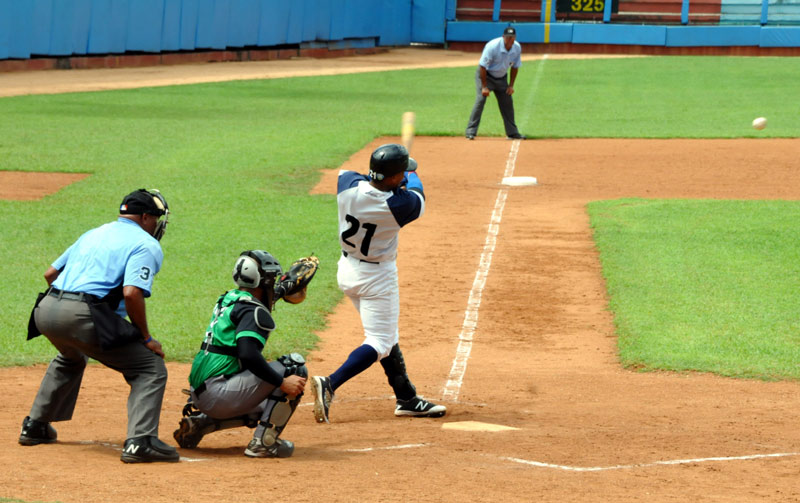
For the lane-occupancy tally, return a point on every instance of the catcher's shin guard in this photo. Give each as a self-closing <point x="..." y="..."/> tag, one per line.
<point x="279" y="408"/>
<point x="395" y="368"/>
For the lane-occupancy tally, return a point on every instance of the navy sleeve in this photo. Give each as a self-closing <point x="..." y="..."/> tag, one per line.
<point x="405" y="205"/>
<point x="349" y="179"/>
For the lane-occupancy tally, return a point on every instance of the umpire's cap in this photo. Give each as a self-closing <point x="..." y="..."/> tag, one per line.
<point x="143" y="201"/>
<point x="390" y="159"/>
<point x="510" y="32"/>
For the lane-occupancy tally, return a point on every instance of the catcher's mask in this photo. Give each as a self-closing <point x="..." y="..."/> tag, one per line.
<point x="150" y="202"/>
<point x="257" y="269"/>
<point x="388" y="160"/>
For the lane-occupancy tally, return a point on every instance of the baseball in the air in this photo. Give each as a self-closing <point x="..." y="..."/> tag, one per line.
<point x="760" y="122"/>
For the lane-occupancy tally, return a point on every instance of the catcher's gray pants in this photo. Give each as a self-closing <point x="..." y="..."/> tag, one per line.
<point x="242" y="394"/>
<point x="69" y="327"/>
<point x="504" y="101"/>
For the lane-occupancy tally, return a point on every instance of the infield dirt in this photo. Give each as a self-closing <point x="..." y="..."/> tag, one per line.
<point x="543" y="360"/>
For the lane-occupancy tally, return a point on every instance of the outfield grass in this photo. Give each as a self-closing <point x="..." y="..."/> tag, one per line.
<point x="236" y="160"/>
<point x="703" y="284"/>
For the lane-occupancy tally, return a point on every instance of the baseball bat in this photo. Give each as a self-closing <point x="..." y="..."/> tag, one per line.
<point x="407" y="130"/>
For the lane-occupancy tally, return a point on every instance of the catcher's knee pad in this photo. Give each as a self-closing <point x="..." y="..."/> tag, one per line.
<point x="394" y="366"/>
<point x="295" y="364"/>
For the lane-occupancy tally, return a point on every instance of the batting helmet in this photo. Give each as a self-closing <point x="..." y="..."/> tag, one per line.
<point x="256" y="268"/>
<point x="390" y="159"/>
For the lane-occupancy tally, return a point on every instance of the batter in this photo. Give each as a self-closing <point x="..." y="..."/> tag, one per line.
<point x="372" y="210"/>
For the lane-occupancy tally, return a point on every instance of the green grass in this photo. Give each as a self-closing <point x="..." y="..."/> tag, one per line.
<point x="703" y="285"/>
<point x="665" y="97"/>
<point x="236" y="160"/>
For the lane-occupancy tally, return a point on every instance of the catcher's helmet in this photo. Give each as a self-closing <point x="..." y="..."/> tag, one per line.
<point x="388" y="160"/>
<point x="256" y="268"/>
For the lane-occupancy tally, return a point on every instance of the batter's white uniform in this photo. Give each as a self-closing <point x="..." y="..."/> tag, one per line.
<point x="369" y="224"/>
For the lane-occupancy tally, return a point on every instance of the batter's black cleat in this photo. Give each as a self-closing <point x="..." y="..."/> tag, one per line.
<point x="279" y="449"/>
<point x="36" y="432"/>
<point x="323" y="396"/>
<point x="517" y="137"/>
<point x="419" y="407"/>
<point x="191" y="430"/>
<point x="148" y="450"/>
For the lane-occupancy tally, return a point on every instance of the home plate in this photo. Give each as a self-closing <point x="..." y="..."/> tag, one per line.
<point x="519" y="181"/>
<point x="476" y="426"/>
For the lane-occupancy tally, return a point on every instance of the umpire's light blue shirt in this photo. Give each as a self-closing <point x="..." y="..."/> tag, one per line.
<point x="497" y="60"/>
<point x="102" y="258"/>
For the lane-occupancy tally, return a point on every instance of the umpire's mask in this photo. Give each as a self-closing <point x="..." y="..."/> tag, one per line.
<point x="161" y="226"/>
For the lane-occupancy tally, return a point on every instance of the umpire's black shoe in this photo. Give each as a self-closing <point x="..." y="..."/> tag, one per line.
<point x="419" y="407"/>
<point x="517" y="137"/>
<point x="36" y="432"/>
<point x="469" y="136"/>
<point x="148" y="450"/>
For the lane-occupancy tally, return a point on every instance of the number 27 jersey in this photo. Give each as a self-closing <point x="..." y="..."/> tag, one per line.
<point x="370" y="219"/>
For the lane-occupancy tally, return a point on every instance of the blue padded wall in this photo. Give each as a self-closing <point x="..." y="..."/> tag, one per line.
<point x="145" y="20"/>
<point x="428" y="23"/>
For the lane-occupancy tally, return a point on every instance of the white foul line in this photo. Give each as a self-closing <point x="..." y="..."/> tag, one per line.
<point x="459" y="368"/>
<point x="646" y="465"/>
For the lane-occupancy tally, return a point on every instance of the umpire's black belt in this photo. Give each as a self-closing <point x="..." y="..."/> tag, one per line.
<point x="360" y="260"/>
<point x="61" y="294"/>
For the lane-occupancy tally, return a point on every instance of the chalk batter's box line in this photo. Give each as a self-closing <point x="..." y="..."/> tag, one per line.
<point x="539" y="464"/>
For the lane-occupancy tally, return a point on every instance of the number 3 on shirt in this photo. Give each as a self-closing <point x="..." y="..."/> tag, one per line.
<point x="353" y="229"/>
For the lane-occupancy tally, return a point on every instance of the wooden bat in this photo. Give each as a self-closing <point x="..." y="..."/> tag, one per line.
<point x="407" y="130"/>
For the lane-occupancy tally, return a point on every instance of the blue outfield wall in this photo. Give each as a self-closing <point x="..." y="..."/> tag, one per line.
<point x="87" y="27"/>
<point x="624" y="34"/>
<point x="92" y="27"/>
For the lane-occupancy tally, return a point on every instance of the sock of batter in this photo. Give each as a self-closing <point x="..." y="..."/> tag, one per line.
<point x="359" y="360"/>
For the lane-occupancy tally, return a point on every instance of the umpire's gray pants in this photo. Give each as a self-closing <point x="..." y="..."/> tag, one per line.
<point x="69" y="327"/>
<point x="504" y="101"/>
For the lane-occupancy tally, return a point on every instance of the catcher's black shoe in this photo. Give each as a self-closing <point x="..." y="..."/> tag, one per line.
<point x="323" y="396"/>
<point x="148" y="450"/>
<point x="279" y="449"/>
<point x="419" y="407"/>
<point x="191" y="429"/>
<point x="36" y="432"/>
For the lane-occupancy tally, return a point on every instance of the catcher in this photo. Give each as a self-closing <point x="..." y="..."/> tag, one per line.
<point x="232" y="385"/>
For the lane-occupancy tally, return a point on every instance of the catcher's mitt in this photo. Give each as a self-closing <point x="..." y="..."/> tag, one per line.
<point x="292" y="286"/>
